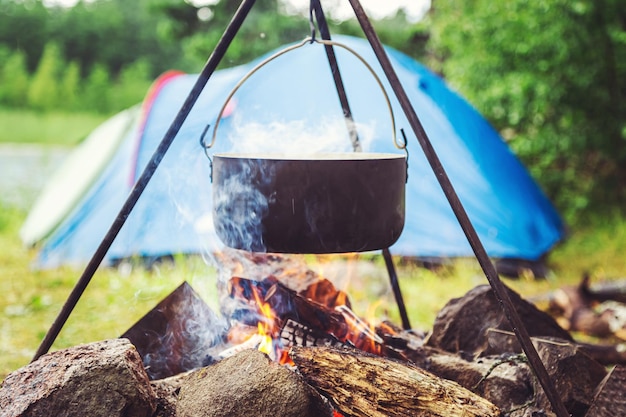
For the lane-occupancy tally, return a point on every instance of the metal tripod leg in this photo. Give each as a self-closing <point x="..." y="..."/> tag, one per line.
<point x="142" y="182"/>
<point x="481" y="255"/>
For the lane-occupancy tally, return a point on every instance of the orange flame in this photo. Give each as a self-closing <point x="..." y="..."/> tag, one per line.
<point x="265" y="326"/>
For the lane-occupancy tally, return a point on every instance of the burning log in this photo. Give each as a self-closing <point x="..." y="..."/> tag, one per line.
<point x="360" y="384"/>
<point x="290" y="271"/>
<point x="284" y="305"/>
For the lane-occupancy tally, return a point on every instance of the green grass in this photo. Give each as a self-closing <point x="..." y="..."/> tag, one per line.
<point x="22" y="126"/>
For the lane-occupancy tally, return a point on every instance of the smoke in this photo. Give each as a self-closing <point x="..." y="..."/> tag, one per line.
<point x="298" y="137"/>
<point x="239" y="206"/>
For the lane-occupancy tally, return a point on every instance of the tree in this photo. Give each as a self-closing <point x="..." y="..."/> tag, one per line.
<point x="199" y="29"/>
<point x="549" y="76"/>
<point x="14" y="79"/>
<point x="69" y="86"/>
<point x="132" y="84"/>
<point x="43" y="90"/>
<point x="23" y="26"/>
<point x="96" y="94"/>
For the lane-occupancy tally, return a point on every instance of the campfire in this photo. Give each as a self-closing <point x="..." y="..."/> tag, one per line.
<point x="286" y="341"/>
<point x="275" y="306"/>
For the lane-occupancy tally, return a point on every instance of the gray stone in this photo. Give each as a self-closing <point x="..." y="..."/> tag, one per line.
<point x="99" y="379"/>
<point x="249" y="384"/>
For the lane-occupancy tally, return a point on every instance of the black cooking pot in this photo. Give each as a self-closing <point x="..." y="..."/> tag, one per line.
<point x="317" y="203"/>
<point x="325" y="203"/>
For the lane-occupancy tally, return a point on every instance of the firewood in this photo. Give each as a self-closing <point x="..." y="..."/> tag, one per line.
<point x="605" y="354"/>
<point x="286" y="304"/>
<point x="604" y="292"/>
<point x="504" y="380"/>
<point x="596" y="311"/>
<point x="360" y="384"/>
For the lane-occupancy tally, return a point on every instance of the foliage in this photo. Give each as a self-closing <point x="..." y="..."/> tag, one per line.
<point x="96" y="92"/>
<point x="133" y="82"/>
<point x="99" y="56"/>
<point x="393" y="31"/>
<point x="265" y="28"/>
<point x="549" y="75"/>
<point x="69" y="86"/>
<point x="112" y="33"/>
<point x="43" y="91"/>
<point x="14" y="78"/>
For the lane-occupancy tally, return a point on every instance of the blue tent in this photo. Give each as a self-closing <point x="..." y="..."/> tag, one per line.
<point x="294" y="95"/>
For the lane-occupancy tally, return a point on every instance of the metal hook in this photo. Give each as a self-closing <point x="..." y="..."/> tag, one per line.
<point x="206" y="149"/>
<point x="406" y="151"/>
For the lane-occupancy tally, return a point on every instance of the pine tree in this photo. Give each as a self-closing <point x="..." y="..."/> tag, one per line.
<point x="69" y="87"/>
<point x="44" y="89"/>
<point x="14" y="80"/>
<point x="96" y="95"/>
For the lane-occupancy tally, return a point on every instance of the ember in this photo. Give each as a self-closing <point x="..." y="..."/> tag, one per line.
<point x="287" y="318"/>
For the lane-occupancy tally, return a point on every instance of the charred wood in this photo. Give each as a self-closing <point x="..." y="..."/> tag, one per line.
<point x="605" y="292"/>
<point x="286" y="304"/>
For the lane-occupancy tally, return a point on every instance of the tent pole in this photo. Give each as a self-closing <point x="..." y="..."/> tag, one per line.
<point x="210" y="66"/>
<point x="354" y="137"/>
<point x="481" y="254"/>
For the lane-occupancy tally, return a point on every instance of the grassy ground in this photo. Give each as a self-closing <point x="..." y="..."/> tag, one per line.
<point x="21" y="126"/>
<point x="117" y="298"/>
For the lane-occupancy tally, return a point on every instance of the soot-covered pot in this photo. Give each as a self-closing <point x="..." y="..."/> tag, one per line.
<point x="322" y="203"/>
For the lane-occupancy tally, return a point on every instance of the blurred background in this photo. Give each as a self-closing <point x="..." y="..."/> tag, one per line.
<point x="549" y="76"/>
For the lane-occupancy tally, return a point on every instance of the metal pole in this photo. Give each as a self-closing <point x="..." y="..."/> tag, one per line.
<point x="142" y="182"/>
<point x="354" y="137"/>
<point x="395" y="286"/>
<point x="334" y="67"/>
<point x="461" y="215"/>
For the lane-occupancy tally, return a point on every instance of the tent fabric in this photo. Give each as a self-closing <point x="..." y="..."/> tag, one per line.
<point x="291" y="104"/>
<point x="69" y="183"/>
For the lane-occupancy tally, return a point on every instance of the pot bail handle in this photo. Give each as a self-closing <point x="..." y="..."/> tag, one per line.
<point x="398" y="144"/>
